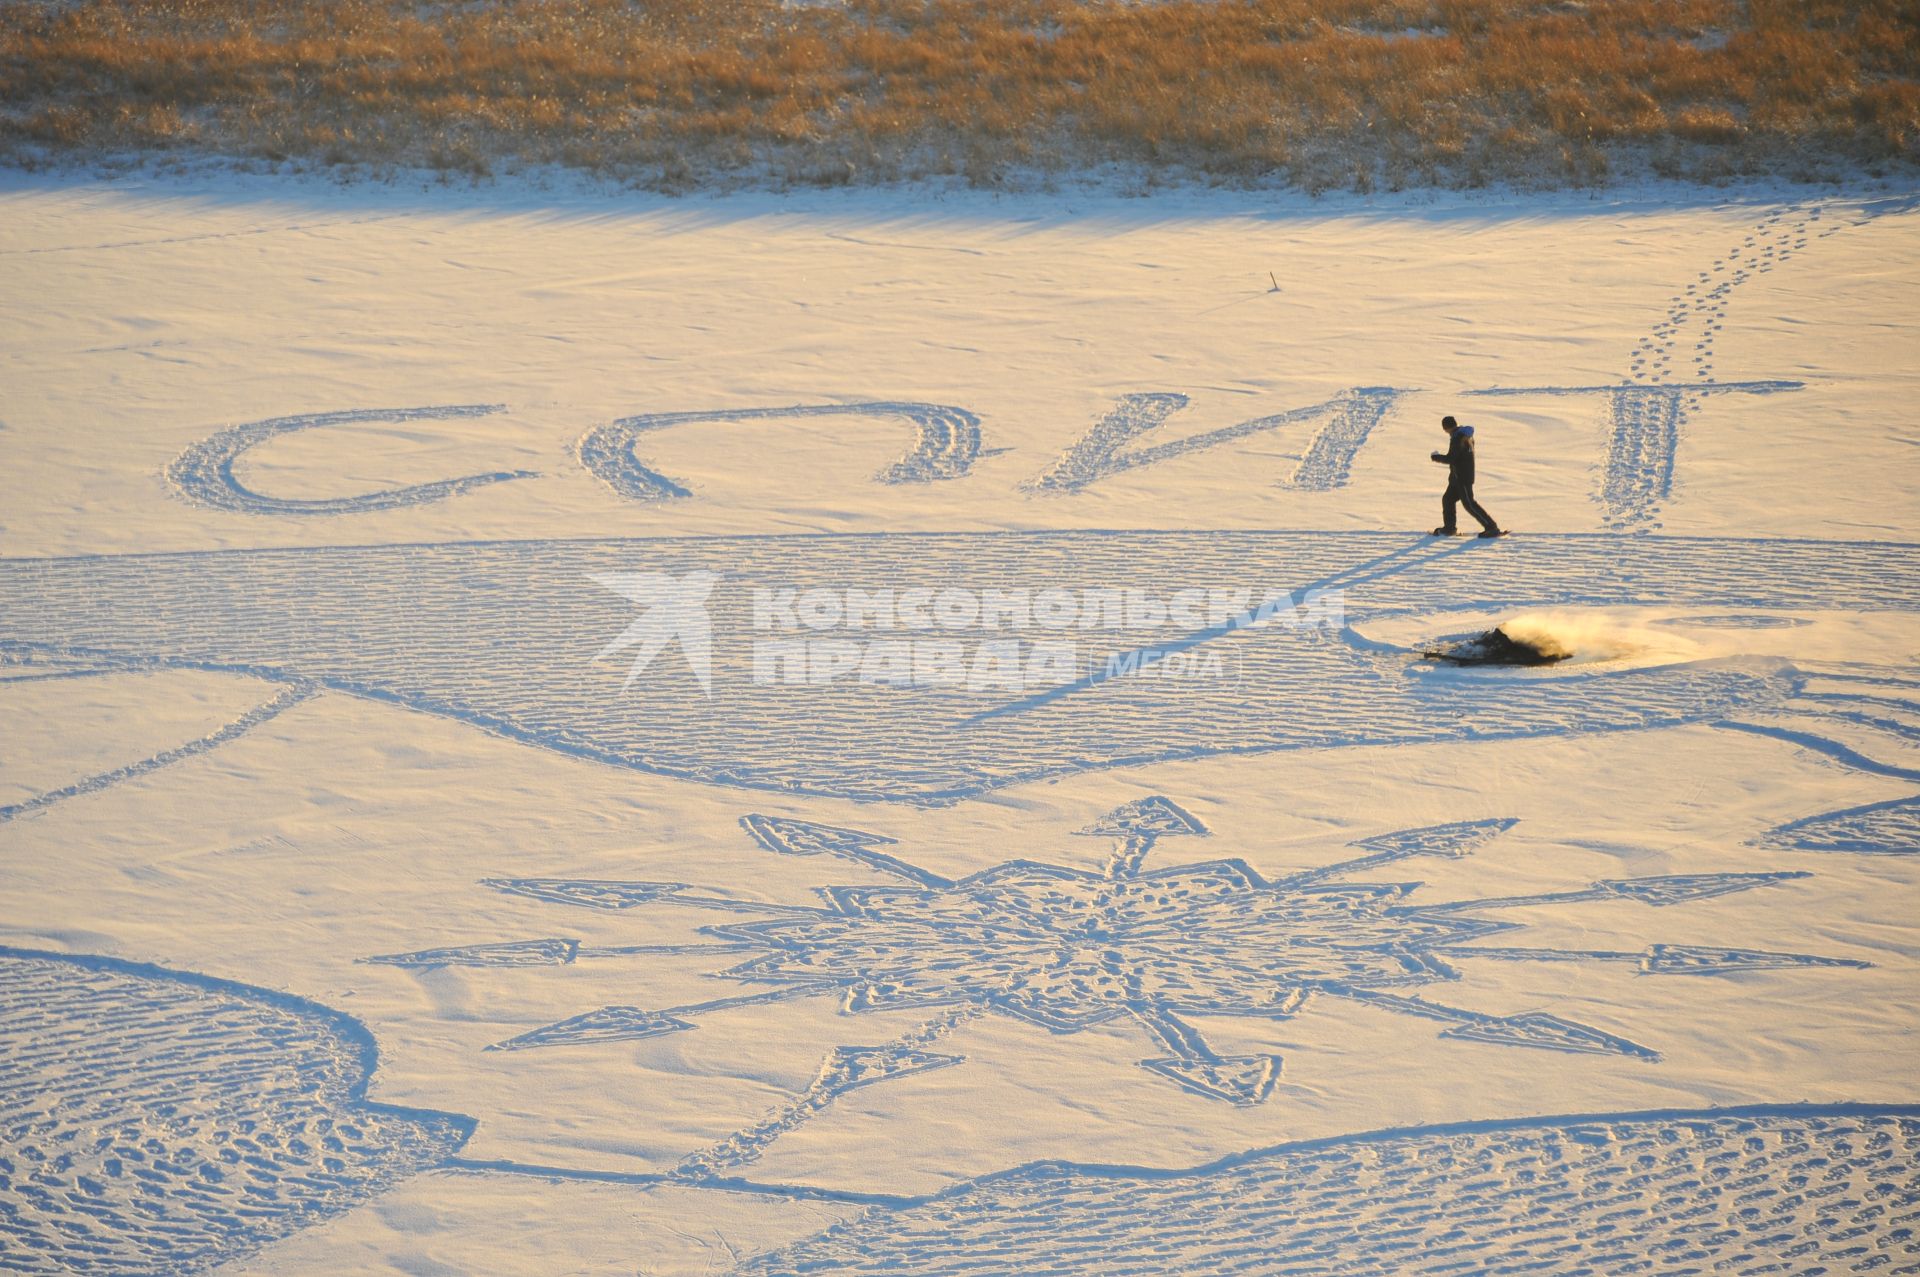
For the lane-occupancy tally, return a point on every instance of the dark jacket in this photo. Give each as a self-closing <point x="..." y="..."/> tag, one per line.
<point x="1459" y="457"/>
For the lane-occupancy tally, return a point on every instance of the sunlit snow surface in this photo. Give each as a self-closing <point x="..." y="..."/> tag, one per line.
<point x="420" y="861"/>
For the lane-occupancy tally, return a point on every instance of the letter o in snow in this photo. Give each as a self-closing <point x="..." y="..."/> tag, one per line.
<point x="947" y="442"/>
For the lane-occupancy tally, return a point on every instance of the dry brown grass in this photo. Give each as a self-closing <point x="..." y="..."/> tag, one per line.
<point x="1313" y="92"/>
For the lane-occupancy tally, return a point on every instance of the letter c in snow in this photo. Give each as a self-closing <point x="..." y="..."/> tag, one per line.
<point x="203" y="474"/>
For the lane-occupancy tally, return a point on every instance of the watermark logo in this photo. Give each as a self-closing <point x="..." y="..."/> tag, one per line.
<point x="1015" y="640"/>
<point x="990" y="639"/>
<point x="676" y="612"/>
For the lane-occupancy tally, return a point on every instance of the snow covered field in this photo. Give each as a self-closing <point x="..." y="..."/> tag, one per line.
<point x="556" y="734"/>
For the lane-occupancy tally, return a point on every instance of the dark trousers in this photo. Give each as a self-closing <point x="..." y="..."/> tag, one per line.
<point x="1462" y="494"/>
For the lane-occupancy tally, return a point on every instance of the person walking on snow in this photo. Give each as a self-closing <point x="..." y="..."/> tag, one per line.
<point x="1458" y="459"/>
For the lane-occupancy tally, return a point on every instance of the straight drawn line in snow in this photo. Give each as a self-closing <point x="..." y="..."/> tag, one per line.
<point x="1663" y="959"/>
<point x="789" y="837"/>
<point x="654" y="1179"/>
<point x="1668" y="890"/>
<point x="24" y="662"/>
<point x="741" y="906"/>
<point x="1529" y="1029"/>
<point x="1372" y="570"/>
<point x="1893" y="726"/>
<point x="1518" y="902"/>
<point x="6" y="679"/>
<point x="1411" y="1006"/>
<point x="591" y="893"/>
<point x="1174" y="1034"/>
<point x="845" y="238"/>
<point x="845" y="1069"/>
<point x="1513" y="954"/>
<point x="1452" y="841"/>
<point x="1821" y="745"/>
<point x="287" y="699"/>
<point x="1885" y="828"/>
<point x="1696" y="545"/>
<point x="1897" y="682"/>
<point x="630" y="1023"/>
<point x="1235" y="302"/>
<point x="632" y="950"/>
<point x="1872" y="712"/>
<point x="782" y="994"/>
<point x="187" y="239"/>
<point x="1751" y="387"/>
